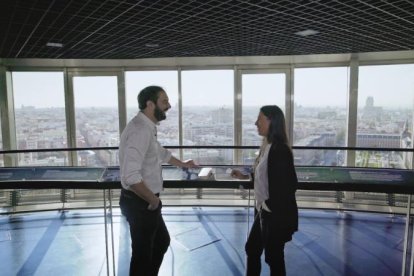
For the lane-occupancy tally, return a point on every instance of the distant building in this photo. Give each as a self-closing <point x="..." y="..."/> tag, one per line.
<point x="378" y="140"/>
<point x="371" y="111"/>
<point x="222" y="116"/>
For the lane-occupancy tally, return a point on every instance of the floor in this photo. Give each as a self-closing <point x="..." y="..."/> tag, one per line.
<point x="205" y="241"/>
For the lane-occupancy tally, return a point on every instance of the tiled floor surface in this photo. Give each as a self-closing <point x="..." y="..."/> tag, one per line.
<point x="205" y="241"/>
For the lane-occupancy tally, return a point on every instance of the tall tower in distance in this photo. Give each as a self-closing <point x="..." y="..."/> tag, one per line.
<point x="369" y="103"/>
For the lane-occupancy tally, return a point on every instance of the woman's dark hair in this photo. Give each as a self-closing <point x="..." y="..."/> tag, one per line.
<point x="149" y="93"/>
<point x="277" y="129"/>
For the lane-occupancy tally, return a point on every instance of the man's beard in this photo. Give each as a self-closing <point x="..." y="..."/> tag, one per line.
<point x="159" y="114"/>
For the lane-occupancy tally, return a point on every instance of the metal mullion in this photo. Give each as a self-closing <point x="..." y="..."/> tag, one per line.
<point x="180" y="114"/>
<point x="8" y="123"/>
<point x="122" y="109"/>
<point x="352" y="111"/>
<point x="237" y="135"/>
<point x="70" y="116"/>
<point x="289" y="103"/>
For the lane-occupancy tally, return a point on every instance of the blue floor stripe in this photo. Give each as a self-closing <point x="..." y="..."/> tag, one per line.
<point x="222" y="251"/>
<point x="334" y="262"/>
<point x="124" y="255"/>
<point x="36" y="257"/>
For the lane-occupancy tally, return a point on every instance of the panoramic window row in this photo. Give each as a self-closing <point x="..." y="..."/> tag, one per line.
<point x="209" y="109"/>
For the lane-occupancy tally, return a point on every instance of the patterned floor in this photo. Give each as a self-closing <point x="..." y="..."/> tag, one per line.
<point x="205" y="241"/>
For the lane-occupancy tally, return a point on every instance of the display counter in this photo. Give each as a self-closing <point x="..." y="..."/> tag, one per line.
<point x="310" y="178"/>
<point x="217" y="177"/>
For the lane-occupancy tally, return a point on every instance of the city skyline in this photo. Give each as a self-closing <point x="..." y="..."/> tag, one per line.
<point x="98" y="128"/>
<point x="32" y="88"/>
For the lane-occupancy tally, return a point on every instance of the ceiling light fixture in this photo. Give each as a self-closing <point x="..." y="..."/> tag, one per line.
<point x="54" y="44"/>
<point x="307" y="32"/>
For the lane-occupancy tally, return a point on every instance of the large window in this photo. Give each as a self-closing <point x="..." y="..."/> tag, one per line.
<point x="320" y="114"/>
<point x="135" y="81"/>
<point x="97" y="119"/>
<point x="207" y="98"/>
<point x="385" y="114"/>
<point x="40" y="116"/>
<point x="258" y="89"/>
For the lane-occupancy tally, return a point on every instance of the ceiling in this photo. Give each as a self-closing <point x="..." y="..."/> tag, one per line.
<point x="131" y="29"/>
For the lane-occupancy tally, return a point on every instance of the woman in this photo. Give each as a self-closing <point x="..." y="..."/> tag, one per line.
<point x="275" y="182"/>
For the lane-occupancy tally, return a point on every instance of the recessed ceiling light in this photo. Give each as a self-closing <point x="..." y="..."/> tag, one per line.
<point x="307" y="32"/>
<point x="53" y="44"/>
<point x="152" y="45"/>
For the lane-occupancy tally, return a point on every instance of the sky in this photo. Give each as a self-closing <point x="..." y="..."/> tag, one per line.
<point x="390" y="85"/>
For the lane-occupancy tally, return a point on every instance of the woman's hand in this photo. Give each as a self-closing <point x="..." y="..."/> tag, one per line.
<point x="238" y="174"/>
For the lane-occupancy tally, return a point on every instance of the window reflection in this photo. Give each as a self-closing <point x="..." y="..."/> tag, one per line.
<point x="97" y="119"/>
<point x="258" y="89"/>
<point x="40" y="117"/>
<point x="320" y="114"/>
<point x="208" y="114"/>
<point x="385" y="115"/>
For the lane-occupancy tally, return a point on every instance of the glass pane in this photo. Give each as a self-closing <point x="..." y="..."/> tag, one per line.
<point x="97" y="120"/>
<point x="208" y="114"/>
<point x="258" y="90"/>
<point x="40" y="117"/>
<point x="385" y="114"/>
<point x="135" y="81"/>
<point x="320" y="115"/>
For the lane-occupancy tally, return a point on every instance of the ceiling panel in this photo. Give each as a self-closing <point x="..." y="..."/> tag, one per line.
<point x="115" y="29"/>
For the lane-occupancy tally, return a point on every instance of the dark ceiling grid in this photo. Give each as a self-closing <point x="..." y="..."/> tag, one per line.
<point x="6" y="27"/>
<point x="197" y="11"/>
<point x="306" y="19"/>
<point x="93" y="19"/>
<point x="93" y="24"/>
<point x="83" y="27"/>
<point x="380" y="18"/>
<point x="42" y="36"/>
<point x="234" y="28"/>
<point x="114" y="32"/>
<point x="299" y="20"/>
<point x="188" y="34"/>
<point x="123" y="29"/>
<point x="132" y="32"/>
<point x="110" y="33"/>
<point x="398" y="10"/>
<point x="356" y="17"/>
<point x="208" y="29"/>
<point x="359" y="22"/>
<point x="20" y="27"/>
<point x="61" y="32"/>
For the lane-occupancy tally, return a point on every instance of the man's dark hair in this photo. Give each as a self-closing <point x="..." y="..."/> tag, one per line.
<point x="277" y="129"/>
<point x="149" y="93"/>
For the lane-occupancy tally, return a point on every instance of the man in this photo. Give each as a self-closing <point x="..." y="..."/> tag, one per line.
<point x="140" y="159"/>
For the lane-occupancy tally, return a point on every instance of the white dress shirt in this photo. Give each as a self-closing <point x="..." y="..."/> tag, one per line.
<point x="140" y="154"/>
<point x="261" y="181"/>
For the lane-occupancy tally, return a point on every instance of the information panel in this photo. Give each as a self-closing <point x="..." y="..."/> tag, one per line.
<point x="356" y="179"/>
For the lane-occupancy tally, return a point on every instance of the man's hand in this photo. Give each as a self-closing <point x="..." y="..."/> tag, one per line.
<point x="189" y="164"/>
<point x="154" y="204"/>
